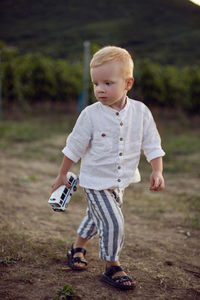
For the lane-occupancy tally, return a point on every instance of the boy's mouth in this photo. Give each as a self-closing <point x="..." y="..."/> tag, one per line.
<point x="102" y="98"/>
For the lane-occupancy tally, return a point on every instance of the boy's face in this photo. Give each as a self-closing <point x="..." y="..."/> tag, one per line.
<point x="110" y="87"/>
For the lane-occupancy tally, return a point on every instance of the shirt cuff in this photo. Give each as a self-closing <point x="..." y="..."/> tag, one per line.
<point x="67" y="152"/>
<point x="155" y="154"/>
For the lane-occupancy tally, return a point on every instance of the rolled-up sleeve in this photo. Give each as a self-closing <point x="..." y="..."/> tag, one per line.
<point x="151" y="143"/>
<point x="79" y="139"/>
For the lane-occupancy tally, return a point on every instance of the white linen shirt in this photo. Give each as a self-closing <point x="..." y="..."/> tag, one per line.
<point x="109" y="144"/>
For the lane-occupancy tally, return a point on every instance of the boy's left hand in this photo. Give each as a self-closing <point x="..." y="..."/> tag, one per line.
<point x="157" y="182"/>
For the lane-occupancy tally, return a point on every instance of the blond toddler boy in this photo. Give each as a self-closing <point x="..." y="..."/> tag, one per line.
<point x="108" y="137"/>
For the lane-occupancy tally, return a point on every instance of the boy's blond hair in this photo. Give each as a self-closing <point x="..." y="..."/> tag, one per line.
<point x="114" y="54"/>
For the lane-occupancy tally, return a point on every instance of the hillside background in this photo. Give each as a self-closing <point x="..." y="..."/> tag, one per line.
<point x="167" y="31"/>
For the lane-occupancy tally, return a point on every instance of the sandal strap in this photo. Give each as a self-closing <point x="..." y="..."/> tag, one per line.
<point x="122" y="279"/>
<point x="79" y="260"/>
<point x="76" y="250"/>
<point x="112" y="270"/>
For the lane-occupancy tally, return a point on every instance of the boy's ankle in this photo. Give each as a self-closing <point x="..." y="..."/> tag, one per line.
<point x="112" y="263"/>
<point x="80" y="242"/>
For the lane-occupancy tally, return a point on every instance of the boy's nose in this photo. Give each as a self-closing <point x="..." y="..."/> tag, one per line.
<point x="100" y="88"/>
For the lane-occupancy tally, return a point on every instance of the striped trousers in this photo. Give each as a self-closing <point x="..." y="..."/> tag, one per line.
<point x="104" y="217"/>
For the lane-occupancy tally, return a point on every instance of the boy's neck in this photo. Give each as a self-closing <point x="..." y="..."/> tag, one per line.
<point x="120" y="105"/>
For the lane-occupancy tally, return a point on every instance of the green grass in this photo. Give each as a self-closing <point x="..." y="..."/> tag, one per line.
<point x="39" y="137"/>
<point x="181" y="142"/>
<point x="190" y="205"/>
<point x="35" y="138"/>
<point x="42" y="139"/>
<point x="33" y="129"/>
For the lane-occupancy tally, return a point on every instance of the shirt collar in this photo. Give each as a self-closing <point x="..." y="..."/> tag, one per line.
<point x="111" y="110"/>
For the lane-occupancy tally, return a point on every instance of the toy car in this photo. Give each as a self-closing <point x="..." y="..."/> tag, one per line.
<point x="61" y="197"/>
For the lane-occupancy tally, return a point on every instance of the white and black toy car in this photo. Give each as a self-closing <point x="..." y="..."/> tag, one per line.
<point x="61" y="197"/>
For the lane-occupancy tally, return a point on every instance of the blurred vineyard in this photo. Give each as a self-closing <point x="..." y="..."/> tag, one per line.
<point x="35" y="78"/>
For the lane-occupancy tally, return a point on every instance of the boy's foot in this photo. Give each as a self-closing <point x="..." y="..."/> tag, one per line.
<point x="116" y="277"/>
<point x="76" y="258"/>
<point x="79" y="264"/>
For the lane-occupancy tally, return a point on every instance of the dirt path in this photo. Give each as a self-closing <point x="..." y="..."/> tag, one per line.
<point x="159" y="252"/>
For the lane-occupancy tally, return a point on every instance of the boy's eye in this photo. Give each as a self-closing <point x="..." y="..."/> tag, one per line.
<point x="108" y="83"/>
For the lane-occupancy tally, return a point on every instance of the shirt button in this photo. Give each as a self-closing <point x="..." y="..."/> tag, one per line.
<point x="119" y="180"/>
<point x="119" y="167"/>
<point x="103" y="134"/>
<point x="117" y="114"/>
<point x="121" y="124"/>
<point x="121" y="139"/>
<point x="120" y="154"/>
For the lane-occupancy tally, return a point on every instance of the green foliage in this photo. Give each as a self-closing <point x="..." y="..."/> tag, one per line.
<point x="193" y="105"/>
<point x="68" y="82"/>
<point x="150" y="82"/>
<point x="67" y="292"/>
<point x="175" y="89"/>
<point x="8" y="81"/>
<point x="169" y="86"/>
<point x="34" y="77"/>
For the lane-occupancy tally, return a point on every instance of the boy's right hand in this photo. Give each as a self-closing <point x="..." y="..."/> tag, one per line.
<point x="61" y="179"/>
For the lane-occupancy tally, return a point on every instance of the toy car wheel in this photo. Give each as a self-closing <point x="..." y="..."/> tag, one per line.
<point x="74" y="188"/>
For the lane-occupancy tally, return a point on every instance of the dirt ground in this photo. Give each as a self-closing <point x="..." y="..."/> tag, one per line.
<point x="160" y="252"/>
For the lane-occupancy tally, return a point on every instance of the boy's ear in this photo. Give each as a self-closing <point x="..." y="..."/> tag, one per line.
<point x="129" y="83"/>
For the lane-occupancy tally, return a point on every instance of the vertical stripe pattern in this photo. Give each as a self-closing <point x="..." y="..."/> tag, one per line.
<point x="104" y="216"/>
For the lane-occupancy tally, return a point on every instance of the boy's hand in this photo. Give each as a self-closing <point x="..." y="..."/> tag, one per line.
<point x="157" y="182"/>
<point x="61" y="179"/>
